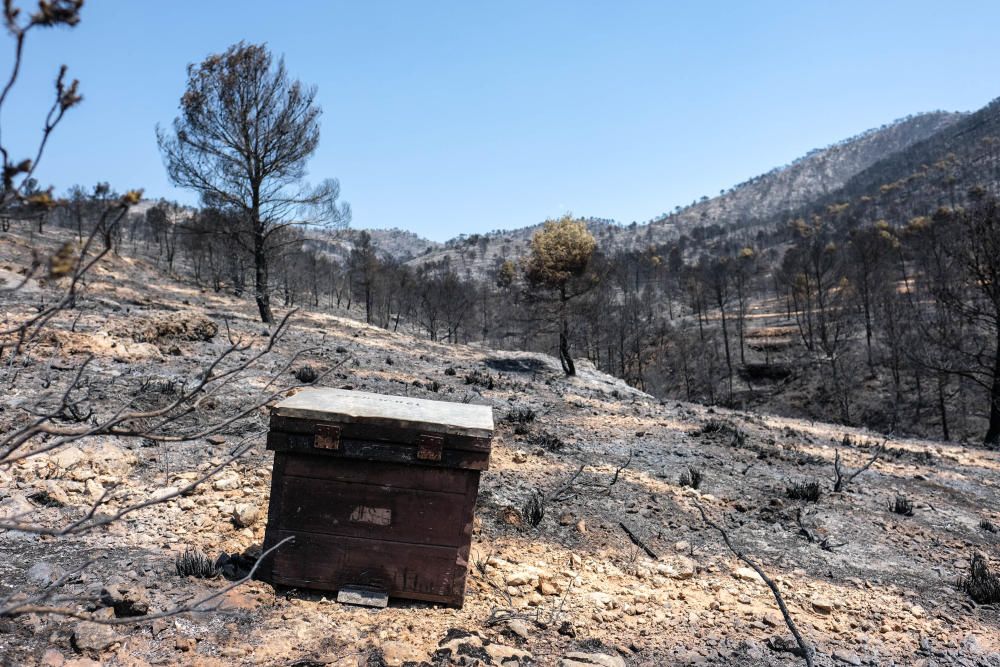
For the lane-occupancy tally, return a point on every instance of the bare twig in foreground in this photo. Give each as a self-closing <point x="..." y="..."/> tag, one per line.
<point x="805" y="649"/>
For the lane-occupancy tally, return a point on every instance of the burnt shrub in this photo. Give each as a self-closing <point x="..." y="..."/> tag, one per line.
<point x="193" y="563"/>
<point x="988" y="526"/>
<point x="306" y="374"/>
<point x="807" y="491"/>
<point x="723" y="430"/>
<point x="520" y="415"/>
<point x="901" y="505"/>
<point x="480" y="378"/>
<point x="982" y="585"/>
<point x="547" y="441"/>
<point x="691" y="477"/>
<point x="533" y="510"/>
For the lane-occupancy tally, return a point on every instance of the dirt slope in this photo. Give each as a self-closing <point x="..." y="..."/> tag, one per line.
<point x="883" y="591"/>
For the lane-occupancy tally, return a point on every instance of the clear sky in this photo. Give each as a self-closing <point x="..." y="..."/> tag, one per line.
<point x="467" y="116"/>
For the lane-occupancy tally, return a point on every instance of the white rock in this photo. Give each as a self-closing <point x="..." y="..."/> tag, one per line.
<point x="228" y="482"/>
<point x="245" y="515"/>
<point x="577" y="659"/>
<point x="748" y="574"/>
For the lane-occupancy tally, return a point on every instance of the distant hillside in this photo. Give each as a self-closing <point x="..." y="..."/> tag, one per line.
<point x="818" y="173"/>
<point x="397" y="244"/>
<point x="760" y="199"/>
<point x="961" y="155"/>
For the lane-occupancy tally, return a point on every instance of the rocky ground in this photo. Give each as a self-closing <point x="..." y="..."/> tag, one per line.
<point x="865" y="585"/>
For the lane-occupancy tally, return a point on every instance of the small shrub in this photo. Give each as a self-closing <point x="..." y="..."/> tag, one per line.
<point x="713" y="426"/>
<point x="449" y="371"/>
<point x="533" y="510"/>
<point x="521" y="415"/>
<point x="480" y="379"/>
<point x="807" y="491"/>
<point x="982" y="585"/>
<point x="691" y="477"/>
<point x="901" y="505"/>
<point x="195" y="564"/>
<point x="306" y="374"/>
<point x="547" y="441"/>
<point x="158" y="385"/>
<point x="736" y="437"/>
<point x="988" y="526"/>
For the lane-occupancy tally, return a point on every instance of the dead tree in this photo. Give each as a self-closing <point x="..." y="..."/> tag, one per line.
<point x="842" y="479"/>
<point x="67" y="412"/>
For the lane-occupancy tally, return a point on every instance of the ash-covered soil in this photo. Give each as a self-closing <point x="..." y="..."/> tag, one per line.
<point x="865" y="585"/>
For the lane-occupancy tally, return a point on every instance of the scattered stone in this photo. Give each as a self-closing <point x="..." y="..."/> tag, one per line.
<point x="780" y="644"/>
<point x="228" y="482"/>
<point x="520" y="456"/>
<point x="847" y="657"/>
<point x="748" y="574"/>
<point x="581" y="526"/>
<point x="547" y="586"/>
<point x="185" y="644"/>
<point x="396" y="654"/>
<point x="126" y="599"/>
<point x="685" y="568"/>
<point x="245" y="515"/>
<point x="68" y="457"/>
<point x="52" y="658"/>
<point x="502" y="654"/>
<point x="519" y="628"/>
<point x="773" y="619"/>
<point x="578" y="659"/>
<point x="216" y="440"/>
<point x="522" y="578"/>
<point x="55" y="491"/>
<point x="566" y="519"/>
<point x="43" y="574"/>
<point x="822" y="605"/>
<point x="90" y="637"/>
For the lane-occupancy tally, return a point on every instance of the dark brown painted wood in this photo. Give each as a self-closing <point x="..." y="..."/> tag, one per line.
<point x="360" y="431"/>
<point x="376" y="451"/>
<point x="328" y="562"/>
<point x="420" y="478"/>
<point x="371" y="511"/>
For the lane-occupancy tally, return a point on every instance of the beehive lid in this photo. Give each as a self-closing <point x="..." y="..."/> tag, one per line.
<point x="402" y="412"/>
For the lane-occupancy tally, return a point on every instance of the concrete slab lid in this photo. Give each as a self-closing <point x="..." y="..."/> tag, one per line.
<point x="340" y="405"/>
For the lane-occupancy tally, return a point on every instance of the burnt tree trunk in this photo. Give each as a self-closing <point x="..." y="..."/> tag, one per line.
<point x="993" y="431"/>
<point x="261" y="291"/>
<point x="564" y="357"/>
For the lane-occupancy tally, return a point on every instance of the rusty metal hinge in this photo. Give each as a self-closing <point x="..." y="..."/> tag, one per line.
<point x="429" y="447"/>
<point x="327" y="436"/>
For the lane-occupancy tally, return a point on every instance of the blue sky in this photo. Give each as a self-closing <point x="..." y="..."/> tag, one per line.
<point x="462" y="117"/>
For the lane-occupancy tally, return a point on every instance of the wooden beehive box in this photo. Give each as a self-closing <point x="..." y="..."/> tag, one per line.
<point x="378" y="492"/>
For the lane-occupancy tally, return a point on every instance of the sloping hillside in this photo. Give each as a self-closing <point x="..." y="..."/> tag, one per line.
<point x="818" y="173"/>
<point x="760" y="199"/>
<point x="864" y="584"/>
